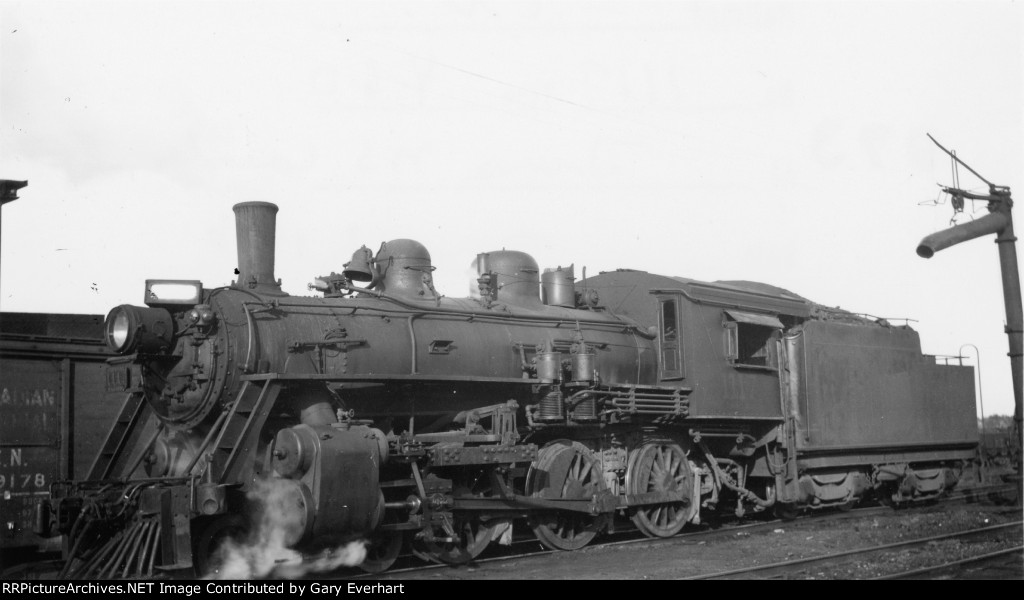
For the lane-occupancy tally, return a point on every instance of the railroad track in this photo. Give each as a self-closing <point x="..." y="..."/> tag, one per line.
<point x="787" y="569"/>
<point x="528" y="546"/>
<point x="1001" y="564"/>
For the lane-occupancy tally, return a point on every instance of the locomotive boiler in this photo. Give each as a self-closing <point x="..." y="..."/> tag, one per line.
<point x="383" y="412"/>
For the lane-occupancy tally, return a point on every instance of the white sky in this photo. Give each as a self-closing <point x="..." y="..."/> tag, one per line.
<point x="781" y="142"/>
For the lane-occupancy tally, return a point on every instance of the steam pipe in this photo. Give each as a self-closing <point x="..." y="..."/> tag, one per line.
<point x="133" y="553"/>
<point x="156" y="542"/>
<point x="122" y="550"/>
<point x="102" y="555"/>
<point x="147" y="547"/>
<point x="314" y="410"/>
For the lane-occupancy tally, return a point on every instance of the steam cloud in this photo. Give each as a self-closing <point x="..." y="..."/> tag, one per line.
<point x="265" y="552"/>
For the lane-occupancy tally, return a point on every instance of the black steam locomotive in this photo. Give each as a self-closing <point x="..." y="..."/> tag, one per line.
<point x="383" y="413"/>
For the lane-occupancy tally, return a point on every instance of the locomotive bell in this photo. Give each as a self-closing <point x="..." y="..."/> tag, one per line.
<point x="359" y="268"/>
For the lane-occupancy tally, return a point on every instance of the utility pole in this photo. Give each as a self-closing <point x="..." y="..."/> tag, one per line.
<point x="999" y="221"/>
<point x="9" y="190"/>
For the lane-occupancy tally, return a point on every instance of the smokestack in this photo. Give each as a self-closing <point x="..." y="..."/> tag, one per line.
<point x="255" y="224"/>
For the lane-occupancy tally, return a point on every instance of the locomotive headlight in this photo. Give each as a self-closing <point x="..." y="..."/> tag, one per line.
<point x="136" y="329"/>
<point x="117" y="329"/>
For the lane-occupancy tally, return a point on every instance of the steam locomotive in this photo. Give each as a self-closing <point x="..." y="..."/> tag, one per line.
<point x="384" y="413"/>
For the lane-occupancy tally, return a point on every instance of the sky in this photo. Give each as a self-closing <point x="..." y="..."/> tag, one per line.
<point x="781" y="142"/>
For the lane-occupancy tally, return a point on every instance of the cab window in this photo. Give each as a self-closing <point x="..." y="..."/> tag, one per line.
<point x="749" y="338"/>
<point x="671" y="352"/>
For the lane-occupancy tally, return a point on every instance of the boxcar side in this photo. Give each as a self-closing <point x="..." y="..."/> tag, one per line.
<point x="54" y="411"/>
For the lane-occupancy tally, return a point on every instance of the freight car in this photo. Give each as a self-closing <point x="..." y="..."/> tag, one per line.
<point x="53" y="410"/>
<point x="381" y="410"/>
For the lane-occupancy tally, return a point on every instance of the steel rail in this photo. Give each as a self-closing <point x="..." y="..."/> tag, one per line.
<point x="957" y="496"/>
<point x="952" y="564"/>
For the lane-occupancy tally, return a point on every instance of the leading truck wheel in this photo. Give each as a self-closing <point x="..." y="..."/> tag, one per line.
<point x="565" y="469"/>
<point x="382" y="550"/>
<point x="453" y="539"/>
<point x="212" y="544"/>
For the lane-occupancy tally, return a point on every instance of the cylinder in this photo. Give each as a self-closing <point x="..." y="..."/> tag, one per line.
<point x="290" y="505"/>
<point x="556" y="287"/>
<point x="255" y="226"/>
<point x="293" y="451"/>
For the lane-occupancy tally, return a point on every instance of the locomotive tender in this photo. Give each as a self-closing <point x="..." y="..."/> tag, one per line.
<point x="385" y="411"/>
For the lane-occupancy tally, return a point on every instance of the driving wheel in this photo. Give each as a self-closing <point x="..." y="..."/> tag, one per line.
<point x="565" y="470"/>
<point x="660" y="467"/>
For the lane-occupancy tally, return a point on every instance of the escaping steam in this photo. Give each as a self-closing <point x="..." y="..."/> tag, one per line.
<point x="266" y="553"/>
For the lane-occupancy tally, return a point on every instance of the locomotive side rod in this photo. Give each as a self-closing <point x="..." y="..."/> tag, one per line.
<point x="601" y="503"/>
